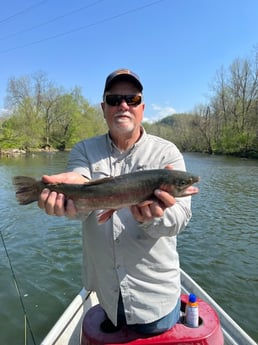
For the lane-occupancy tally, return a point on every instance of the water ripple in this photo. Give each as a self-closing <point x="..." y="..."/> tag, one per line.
<point x="219" y="248"/>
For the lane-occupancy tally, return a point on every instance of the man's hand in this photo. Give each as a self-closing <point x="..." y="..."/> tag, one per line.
<point x="148" y="210"/>
<point x="54" y="203"/>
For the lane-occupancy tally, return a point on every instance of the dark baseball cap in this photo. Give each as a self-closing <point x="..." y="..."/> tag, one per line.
<point x="122" y="74"/>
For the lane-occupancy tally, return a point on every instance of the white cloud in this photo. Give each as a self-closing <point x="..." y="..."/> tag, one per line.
<point x="158" y="112"/>
<point x="162" y="111"/>
<point x="4" y="112"/>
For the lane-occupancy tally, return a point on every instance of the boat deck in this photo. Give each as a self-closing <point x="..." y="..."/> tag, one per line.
<point x="67" y="330"/>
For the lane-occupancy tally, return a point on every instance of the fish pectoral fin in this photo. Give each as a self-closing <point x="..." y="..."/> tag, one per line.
<point x="147" y="202"/>
<point x="104" y="215"/>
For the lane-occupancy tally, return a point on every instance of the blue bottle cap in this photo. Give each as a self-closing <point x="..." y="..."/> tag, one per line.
<point x="192" y="298"/>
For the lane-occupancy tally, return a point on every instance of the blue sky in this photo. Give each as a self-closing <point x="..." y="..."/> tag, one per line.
<point x="175" y="46"/>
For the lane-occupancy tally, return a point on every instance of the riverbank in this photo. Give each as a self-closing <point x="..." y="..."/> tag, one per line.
<point x="19" y="152"/>
<point x="14" y="152"/>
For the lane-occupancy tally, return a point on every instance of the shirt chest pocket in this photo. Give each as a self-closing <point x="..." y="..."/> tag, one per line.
<point x="100" y="170"/>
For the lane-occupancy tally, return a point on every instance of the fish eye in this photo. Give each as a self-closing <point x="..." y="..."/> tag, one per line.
<point x="183" y="183"/>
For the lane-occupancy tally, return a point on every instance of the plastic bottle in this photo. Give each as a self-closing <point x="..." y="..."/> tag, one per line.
<point x="192" y="311"/>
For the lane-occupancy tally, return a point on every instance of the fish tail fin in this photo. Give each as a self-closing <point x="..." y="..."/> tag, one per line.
<point x="27" y="189"/>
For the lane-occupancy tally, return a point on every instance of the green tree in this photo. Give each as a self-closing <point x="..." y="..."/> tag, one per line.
<point x="234" y="107"/>
<point x="43" y="114"/>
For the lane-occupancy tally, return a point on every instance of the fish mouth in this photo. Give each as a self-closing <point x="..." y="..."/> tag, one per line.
<point x="191" y="190"/>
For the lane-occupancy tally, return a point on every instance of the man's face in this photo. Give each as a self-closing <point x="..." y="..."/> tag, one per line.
<point x="123" y="118"/>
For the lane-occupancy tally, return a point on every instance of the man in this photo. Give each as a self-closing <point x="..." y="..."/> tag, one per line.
<point x="131" y="260"/>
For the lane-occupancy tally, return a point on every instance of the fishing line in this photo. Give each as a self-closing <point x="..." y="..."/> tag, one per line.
<point x="26" y="320"/>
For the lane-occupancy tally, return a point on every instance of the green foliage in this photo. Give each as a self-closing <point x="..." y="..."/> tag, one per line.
<point x="41" y="114"/>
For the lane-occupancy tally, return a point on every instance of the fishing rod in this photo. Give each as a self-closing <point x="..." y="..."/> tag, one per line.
<point x="26" y="320"/>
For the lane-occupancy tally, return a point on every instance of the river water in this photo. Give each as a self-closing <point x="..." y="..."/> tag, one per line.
<point x="219" y="248"/>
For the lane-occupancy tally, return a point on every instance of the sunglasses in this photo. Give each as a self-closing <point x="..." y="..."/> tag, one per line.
<point x="115" y="100"/>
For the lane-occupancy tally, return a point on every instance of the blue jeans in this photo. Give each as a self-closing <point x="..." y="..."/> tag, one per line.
<point x="155" y="327"/>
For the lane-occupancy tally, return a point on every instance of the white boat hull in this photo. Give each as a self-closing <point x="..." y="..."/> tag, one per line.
<point x="67" y="330"/>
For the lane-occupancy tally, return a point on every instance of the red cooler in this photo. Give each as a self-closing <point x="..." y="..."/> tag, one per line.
<point x="208" y="333"/>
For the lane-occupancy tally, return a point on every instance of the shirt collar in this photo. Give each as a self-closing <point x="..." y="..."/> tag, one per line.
<point x="112" y="146"/>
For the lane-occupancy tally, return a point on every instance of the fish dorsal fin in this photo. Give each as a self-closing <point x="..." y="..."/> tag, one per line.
<point x="100" y="181"/>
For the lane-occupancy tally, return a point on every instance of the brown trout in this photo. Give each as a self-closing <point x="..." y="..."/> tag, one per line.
<point x="112" y="193"/>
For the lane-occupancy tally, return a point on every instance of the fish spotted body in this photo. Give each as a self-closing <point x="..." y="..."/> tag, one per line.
<point x="112" y="193"/>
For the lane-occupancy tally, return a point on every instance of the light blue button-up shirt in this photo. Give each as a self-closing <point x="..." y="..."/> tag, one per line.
<point x="140" y="260"/>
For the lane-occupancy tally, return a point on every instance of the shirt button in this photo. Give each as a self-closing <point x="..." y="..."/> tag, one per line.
<point x="117" y="240"/>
